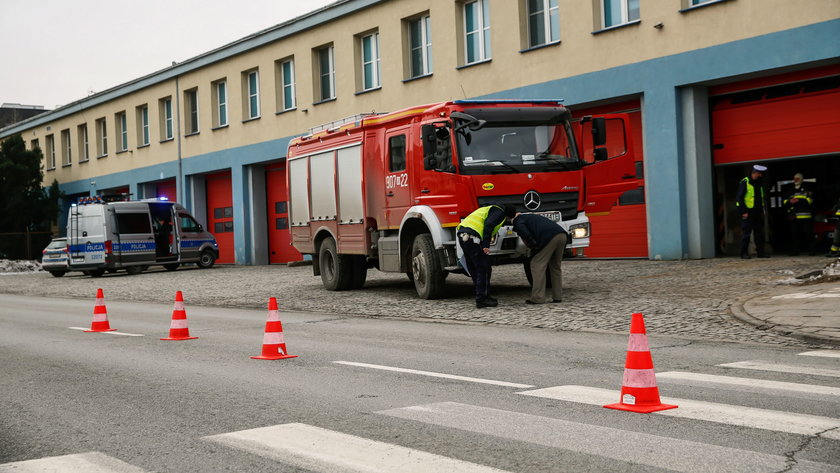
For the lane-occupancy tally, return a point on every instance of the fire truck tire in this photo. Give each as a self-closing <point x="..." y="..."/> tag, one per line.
<point x="530" y="277"/>
<point x="206" y="260"/>
<point x="359" y="272"/>
<point x="58" y="274"/>
<point x="429" y="276"/>
<point x="336" y="269"/>
<point x="132" y="270"/>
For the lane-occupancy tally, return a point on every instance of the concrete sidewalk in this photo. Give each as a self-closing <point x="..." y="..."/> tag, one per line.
<point x="810" y="311"/>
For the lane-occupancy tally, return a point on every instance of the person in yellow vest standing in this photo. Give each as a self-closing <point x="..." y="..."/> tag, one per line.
<point x="474" y="235"/>
<point x="835" y="244"/>
<point x="751" y="203"/>
<point x="798" y="202"/>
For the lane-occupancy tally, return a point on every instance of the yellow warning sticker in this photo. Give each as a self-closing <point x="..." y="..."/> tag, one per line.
<point x="488" y="186"/>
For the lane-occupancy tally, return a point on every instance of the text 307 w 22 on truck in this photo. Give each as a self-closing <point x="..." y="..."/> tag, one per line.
<point x="387" y="191"/>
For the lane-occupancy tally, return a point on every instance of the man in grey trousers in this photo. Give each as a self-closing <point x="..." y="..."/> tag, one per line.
<point x="547" y="242"/>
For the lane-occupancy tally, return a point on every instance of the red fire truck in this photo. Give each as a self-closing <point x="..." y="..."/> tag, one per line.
<point x="386" y="191"/>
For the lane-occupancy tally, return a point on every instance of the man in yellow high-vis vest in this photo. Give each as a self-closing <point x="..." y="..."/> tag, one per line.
<point x="835" y="244"/>
<point x="798" y="202"/>
<point x="751" y="202"/>
<point x="474" y="235"/>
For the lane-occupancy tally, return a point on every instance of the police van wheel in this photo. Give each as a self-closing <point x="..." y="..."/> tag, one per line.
<point x="134" y="270"/>
<point x="336" y="269"/>
<point x="530" y="277"/>
<point x="96" y="273"/>
<point x="429" y="276"/>
<point x="58" y="274"/>
<point x="171" y="266"/>
<point x="207" y="260"/>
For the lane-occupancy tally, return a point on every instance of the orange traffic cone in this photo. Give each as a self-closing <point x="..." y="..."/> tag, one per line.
<point x="274" y="345"/>
<point x="178" y="329"/>
<point x="100" y="315"/>
<point x="638" y="389"/>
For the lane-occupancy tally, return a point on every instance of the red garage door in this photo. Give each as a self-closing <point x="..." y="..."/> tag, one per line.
<point x="621" y="232"/>
<point x="786" y="116"/>
<point x="220" y="213"/>
<point x="167" y="190"/>
<point x="280" y="249"/>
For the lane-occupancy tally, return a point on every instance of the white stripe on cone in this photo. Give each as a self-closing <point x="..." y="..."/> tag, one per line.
<point x="179" y="305"/>
<point x="639" y="378"/>
<point x="100" y="317"/>
<point x="273" y="315"/>
<point x="273" y="338"/>
<point x="638" y="342"/>
<point x="178" y="323"/>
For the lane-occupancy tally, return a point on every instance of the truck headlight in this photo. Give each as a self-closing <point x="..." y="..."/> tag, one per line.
<point x="580" y="230"/>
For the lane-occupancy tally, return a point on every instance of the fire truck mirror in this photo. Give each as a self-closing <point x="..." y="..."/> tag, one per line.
<point x="599" y="131"/>
<point x="429" y="147"/>
<point x="600" y="154"/>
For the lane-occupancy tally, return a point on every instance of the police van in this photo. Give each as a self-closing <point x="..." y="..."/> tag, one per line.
<point x="133" y="235"/>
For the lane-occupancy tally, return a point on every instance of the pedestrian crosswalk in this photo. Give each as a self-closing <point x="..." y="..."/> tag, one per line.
<point x="318" y="449"/>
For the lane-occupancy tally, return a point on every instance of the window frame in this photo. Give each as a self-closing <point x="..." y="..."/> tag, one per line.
<point x="191" y="113"/>
<point x="546" y="13"/>
<point x="122" y="136"/>
<point x="220" y="103"/>
<point x="167" y="124"/>
<point x="49" y="144"/>
<point x="144" y="134"/>
<point x="251" y="94"/>
<point x="375" y="75"/>
<point x="84" y="143"/>
<point x="482" y="31"/>
<point x="624" y="11"/>
<point x="66" y="148"/>
<point x="423" y="23"/>
<point x="285" y="105"/>
<point x="101" y="138"/>
<point x="329" y="75"/>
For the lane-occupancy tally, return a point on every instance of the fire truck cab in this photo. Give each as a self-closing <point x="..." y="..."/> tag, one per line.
<point x="387" y="191"/>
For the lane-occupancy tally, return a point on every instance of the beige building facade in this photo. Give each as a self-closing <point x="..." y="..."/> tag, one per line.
<point x="212" y="131"/>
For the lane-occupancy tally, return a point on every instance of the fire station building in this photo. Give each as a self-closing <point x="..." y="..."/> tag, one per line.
<point x="712" y="86"/>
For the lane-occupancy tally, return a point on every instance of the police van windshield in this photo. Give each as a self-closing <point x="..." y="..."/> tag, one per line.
<point x="498" y="147"/>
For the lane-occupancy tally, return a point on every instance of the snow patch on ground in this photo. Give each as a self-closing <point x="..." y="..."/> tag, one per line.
<point x="19" y="266"/>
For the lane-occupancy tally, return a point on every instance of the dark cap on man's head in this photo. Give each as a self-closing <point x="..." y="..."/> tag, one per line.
<point x="759" y="168"/>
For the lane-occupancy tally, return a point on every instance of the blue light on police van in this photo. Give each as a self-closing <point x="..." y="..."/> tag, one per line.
<point x="163" y="197"/>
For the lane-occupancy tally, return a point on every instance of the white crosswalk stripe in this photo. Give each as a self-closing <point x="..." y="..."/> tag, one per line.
<point x="632" y="447"/>
<point x="317" y="449"/>
<point x="91" y="462"/>
<point x="822" y="353"/>
<point x="782" y="368"/>
<point x="779" y="421"/>
<point x="748" y="384"/>
<point x="436" y="375"/>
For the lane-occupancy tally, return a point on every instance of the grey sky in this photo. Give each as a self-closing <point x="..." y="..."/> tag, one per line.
<point x="53" y="52"/>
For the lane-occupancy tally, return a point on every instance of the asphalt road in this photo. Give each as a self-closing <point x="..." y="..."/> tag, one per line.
<point x="151" y="405"/>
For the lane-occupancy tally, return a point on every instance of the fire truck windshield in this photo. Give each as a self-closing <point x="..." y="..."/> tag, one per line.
<point x="496" y="147"/>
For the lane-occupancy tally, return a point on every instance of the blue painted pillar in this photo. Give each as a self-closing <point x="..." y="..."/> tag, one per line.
<point x="664" y="174"/>
<point x="242" y="214"/>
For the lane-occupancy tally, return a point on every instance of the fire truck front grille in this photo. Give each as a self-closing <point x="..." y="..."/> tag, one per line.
<point x="564" y="202"/>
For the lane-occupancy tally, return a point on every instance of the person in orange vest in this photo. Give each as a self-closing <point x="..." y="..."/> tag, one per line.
<point x="751" y="202"/>
<point x="798" y="202"/>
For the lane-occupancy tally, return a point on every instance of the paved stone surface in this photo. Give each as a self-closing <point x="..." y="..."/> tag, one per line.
<point x="694" y="299"/>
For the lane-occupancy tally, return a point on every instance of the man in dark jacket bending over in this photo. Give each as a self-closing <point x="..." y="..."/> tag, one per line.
<point x="547" y="242"/>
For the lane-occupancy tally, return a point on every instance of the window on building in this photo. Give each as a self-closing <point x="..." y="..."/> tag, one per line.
<point x="543" y="22"/>
<point x="167" y="128"/>
<point x="420" y="46"/>
<point x="66" y="148"/>
<point x="285" y="84"/>
<point x="101" y="138"/>
<point x="50" y="151"/>
<point x="220" y="106"/>
<point x="619" y="12"/>
<point x="191" y="109"/>
<point x="325" y="64"/>
<point x="122" y="132"/>
<point x="476" y="31"/>
<point x="396" y="153"/>
<point x="251" y="94"/>
<point x="34" y="144"/>
<point x="369" y="46"/>
<point x="143" y="137"/>
<point x="84" y="146"/>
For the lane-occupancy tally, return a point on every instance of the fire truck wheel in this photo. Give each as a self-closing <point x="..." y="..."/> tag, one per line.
<point x="336" y="269"/>
<point x="207" y="260"/>
<point x="429" y="276"/>
<point x="57" y="274"/>
<point x="530" y="277"/>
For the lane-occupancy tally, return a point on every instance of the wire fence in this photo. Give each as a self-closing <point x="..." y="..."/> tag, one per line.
<point x="23" y="245"/>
